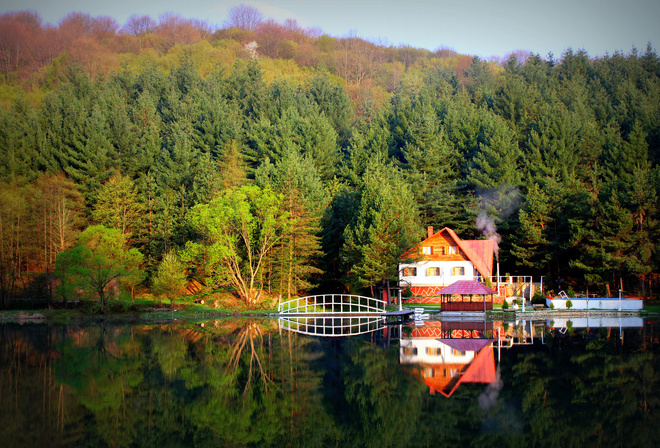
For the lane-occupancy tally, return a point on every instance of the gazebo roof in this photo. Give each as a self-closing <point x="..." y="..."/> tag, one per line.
<point x="466" y="288"/>
<point x="466" y="345"/>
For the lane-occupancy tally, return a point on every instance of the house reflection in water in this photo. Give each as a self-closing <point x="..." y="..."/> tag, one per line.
<point x="447" y="354"/>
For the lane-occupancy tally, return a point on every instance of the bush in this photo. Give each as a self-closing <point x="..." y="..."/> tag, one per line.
<point x="505" y="305"/>
<point x="552" y="306"/>
<point x="407" y="293"/>
<point x="538" y="299"/>
<point x="569" y="304"/>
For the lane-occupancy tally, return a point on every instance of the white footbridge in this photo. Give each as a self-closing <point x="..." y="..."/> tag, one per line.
<point x="332" y="304"/>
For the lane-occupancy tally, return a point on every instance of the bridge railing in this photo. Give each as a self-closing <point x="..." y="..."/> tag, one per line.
<point x="331" y="326"/>
<point x="332" y="304"/>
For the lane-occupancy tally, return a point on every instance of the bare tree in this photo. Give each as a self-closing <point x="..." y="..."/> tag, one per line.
<point x="517" y="57"/>
<point x="357" y="59"/>
<point x="139" y="25"/>
<point x="77" y="24"/>
<point x="244" y="17"/>
<point x="104" y="27"/>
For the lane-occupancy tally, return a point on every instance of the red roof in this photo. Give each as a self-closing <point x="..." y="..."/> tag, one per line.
<point x="479" y="252"/>
<point x="480" y="370"/>
<point x="466" y="288"/>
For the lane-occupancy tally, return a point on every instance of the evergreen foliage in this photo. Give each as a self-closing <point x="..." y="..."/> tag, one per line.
<point x="357" y="144"/>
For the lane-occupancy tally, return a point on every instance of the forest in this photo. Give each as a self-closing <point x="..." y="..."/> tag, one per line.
<point x="274" y="160"/>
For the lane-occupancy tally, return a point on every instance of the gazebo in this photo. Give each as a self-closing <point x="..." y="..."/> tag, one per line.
<point x="466" y="289"/>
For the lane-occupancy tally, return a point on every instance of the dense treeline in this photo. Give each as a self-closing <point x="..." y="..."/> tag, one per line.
<point x="332" y="167"/>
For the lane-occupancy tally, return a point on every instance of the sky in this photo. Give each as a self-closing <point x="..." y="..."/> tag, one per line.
<point x="483" y="28"/>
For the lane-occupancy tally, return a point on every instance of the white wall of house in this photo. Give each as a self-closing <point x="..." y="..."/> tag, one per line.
<point x="446" y="269"/>
<point x="431" y="351"/>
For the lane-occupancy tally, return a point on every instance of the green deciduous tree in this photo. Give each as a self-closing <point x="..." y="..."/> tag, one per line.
<point x="100" y="260"/>
<point x="238" y="228"/>
<point x="170" y="277"/>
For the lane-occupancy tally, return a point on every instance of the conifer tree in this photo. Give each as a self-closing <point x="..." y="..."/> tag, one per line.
<point x="430" y="164"/>
<point x="118" y="206"/>
<point x="304" y="198"/>
<point x="386" y="224"/>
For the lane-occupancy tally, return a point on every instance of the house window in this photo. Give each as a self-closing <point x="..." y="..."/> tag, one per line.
<point x="432" y="272"/>
<point x="428" y="250"/>
<point x="433" y="351"/>
<point x="409" y="272"/>
<point x="450" y="250"/>
<point x="458" y="271"/>
<point x="458" y="352"/>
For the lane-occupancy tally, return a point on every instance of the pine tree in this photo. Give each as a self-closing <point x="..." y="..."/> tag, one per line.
<point x="304" y="198"/>
<point x="117" y="206"/>
<point x="170" y="277"/>
<point x="385" y="225"/>
<point x="430" y="164"/>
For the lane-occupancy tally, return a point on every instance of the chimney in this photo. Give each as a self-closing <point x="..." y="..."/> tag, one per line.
<point x="430" y="231"/>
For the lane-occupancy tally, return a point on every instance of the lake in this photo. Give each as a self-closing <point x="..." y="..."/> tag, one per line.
<point x="265" y="382"/>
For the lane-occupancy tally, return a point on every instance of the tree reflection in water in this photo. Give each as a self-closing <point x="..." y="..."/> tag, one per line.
<point x="245" y="383"/>
<point x="250" y="333"/>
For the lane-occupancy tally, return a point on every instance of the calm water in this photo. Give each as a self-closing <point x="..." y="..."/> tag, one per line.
<point x="252" y="383"/>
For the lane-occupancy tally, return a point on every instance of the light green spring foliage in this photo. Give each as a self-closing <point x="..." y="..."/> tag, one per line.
<point x="239" y="228"/>
<point x="170" y="277"/>
<point x="100" y="260"/>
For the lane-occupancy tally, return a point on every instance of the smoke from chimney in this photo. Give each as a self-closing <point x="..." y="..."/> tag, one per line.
<point x="486" y="225"/>
<point x="502" y="202"/>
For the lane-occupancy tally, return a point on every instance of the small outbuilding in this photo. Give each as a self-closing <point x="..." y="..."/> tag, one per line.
<point x="467" y="295"/>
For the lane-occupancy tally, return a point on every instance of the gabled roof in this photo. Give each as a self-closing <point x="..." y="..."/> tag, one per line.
<point x="479" y="252"/>
<point x="466" y="288"/>
<point x="480" y="370"/>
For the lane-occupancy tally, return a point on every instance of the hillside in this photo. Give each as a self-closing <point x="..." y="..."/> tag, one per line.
<point x="356" y="146"/>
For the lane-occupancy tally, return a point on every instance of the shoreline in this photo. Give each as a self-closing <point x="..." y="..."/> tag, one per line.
<point x="166" y="315"/>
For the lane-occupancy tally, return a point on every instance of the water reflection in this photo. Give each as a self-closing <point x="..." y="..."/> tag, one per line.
<point x="255" y="383"/>
<point x="332" y="326"/>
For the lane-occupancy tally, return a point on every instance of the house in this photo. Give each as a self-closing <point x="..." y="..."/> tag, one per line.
<point x="446" y="363"/>
<point x="442" y="259"/>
